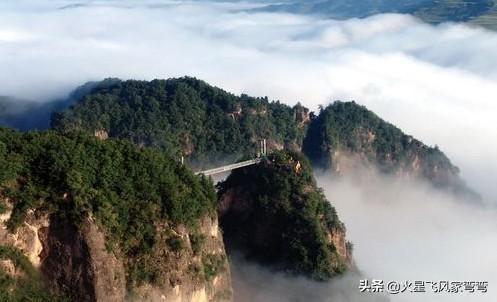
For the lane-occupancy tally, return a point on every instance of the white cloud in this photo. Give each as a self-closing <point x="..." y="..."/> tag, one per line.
<point x="437" y="83"/>
<point x="255" y="283"/>
<point x="408" y="231"/>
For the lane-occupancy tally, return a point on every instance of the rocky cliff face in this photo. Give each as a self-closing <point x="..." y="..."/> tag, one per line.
<point x="237" y="207"/>
<point x="105" y="220"/>
<point x="28" y="237"/>
<point x="417" y="161"/>
<point x="198" y="271"/>
<point x="75" y="262"/>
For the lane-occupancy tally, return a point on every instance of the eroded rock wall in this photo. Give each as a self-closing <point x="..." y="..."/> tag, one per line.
<point x="197" y="272"/>
<point x="74" y="260"/>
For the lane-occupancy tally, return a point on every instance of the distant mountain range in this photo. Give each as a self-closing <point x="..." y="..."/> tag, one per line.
<point x="27" y="115"/>
<point x="481" y="12"/>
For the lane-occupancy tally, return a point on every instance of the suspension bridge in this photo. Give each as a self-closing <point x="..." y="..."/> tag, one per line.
<point x="227" y="168"/>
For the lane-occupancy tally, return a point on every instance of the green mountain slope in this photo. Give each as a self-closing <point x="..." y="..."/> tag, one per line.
<point x="210" y="126"/>
<point x="347" y="136"/>
<point x="185" y="117"/>
<point x="275" y="214"/>
<point x="489" y="19"/>
<point x="454" y="10"/>
<point x="27" y="115"/>
<point x="138" y="196"/>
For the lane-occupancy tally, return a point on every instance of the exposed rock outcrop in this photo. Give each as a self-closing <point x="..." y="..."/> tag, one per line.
<point x="196" y="270"/>
<point x="302" y="115"/>
<point x="101" y="134"/>
<point x="27" y="238"/>
<point x="92" y="220"/>
<point x="74" y="261"/>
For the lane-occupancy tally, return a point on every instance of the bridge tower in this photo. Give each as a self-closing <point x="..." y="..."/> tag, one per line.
<point x="262" y="148"/>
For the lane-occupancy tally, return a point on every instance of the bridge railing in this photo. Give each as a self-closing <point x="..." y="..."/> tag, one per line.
<point x="230" y="167"/>
<point x="260" y="155"/>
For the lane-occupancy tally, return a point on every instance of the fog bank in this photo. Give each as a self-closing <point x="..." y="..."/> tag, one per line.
<point x="401" y="231"/>
<point x="409" y="231"/>
<point x="254" y="283"/>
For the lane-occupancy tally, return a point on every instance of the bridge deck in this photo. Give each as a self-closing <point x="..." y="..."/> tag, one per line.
<point x="230" y="167"/>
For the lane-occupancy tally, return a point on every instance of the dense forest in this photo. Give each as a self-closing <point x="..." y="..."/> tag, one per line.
<point x="275" y="214"/>
<point x="185" y="117"/>
<point x="208" y="126"/>
<point x="128" y="190"/>
<point x="352" y="127"/>
<point x="346" y="129"/>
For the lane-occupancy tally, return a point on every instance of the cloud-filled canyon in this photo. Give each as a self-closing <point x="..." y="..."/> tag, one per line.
<point x="435" y="82"/>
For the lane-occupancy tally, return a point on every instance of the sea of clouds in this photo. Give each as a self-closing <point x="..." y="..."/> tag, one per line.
<point x="408" y="231"/>
<point x="438" y="83"/>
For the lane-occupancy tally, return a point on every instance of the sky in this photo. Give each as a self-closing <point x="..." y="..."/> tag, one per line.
<point x="437" y="83"/>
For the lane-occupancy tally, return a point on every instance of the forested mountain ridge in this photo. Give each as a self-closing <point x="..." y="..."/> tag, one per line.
<point x="105" y="220"/>
<point x="346" y="136"/>
<point x="185" y="117"/>
<point x="209" y="126"/>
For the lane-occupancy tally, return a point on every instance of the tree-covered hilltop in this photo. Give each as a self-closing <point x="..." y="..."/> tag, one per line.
<point x="345" y="135"/>
<point x="149" y="207"/>
<point x="274" y="213"/>
<point x="184" y="116"/>
<point x="187" y="117"/>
